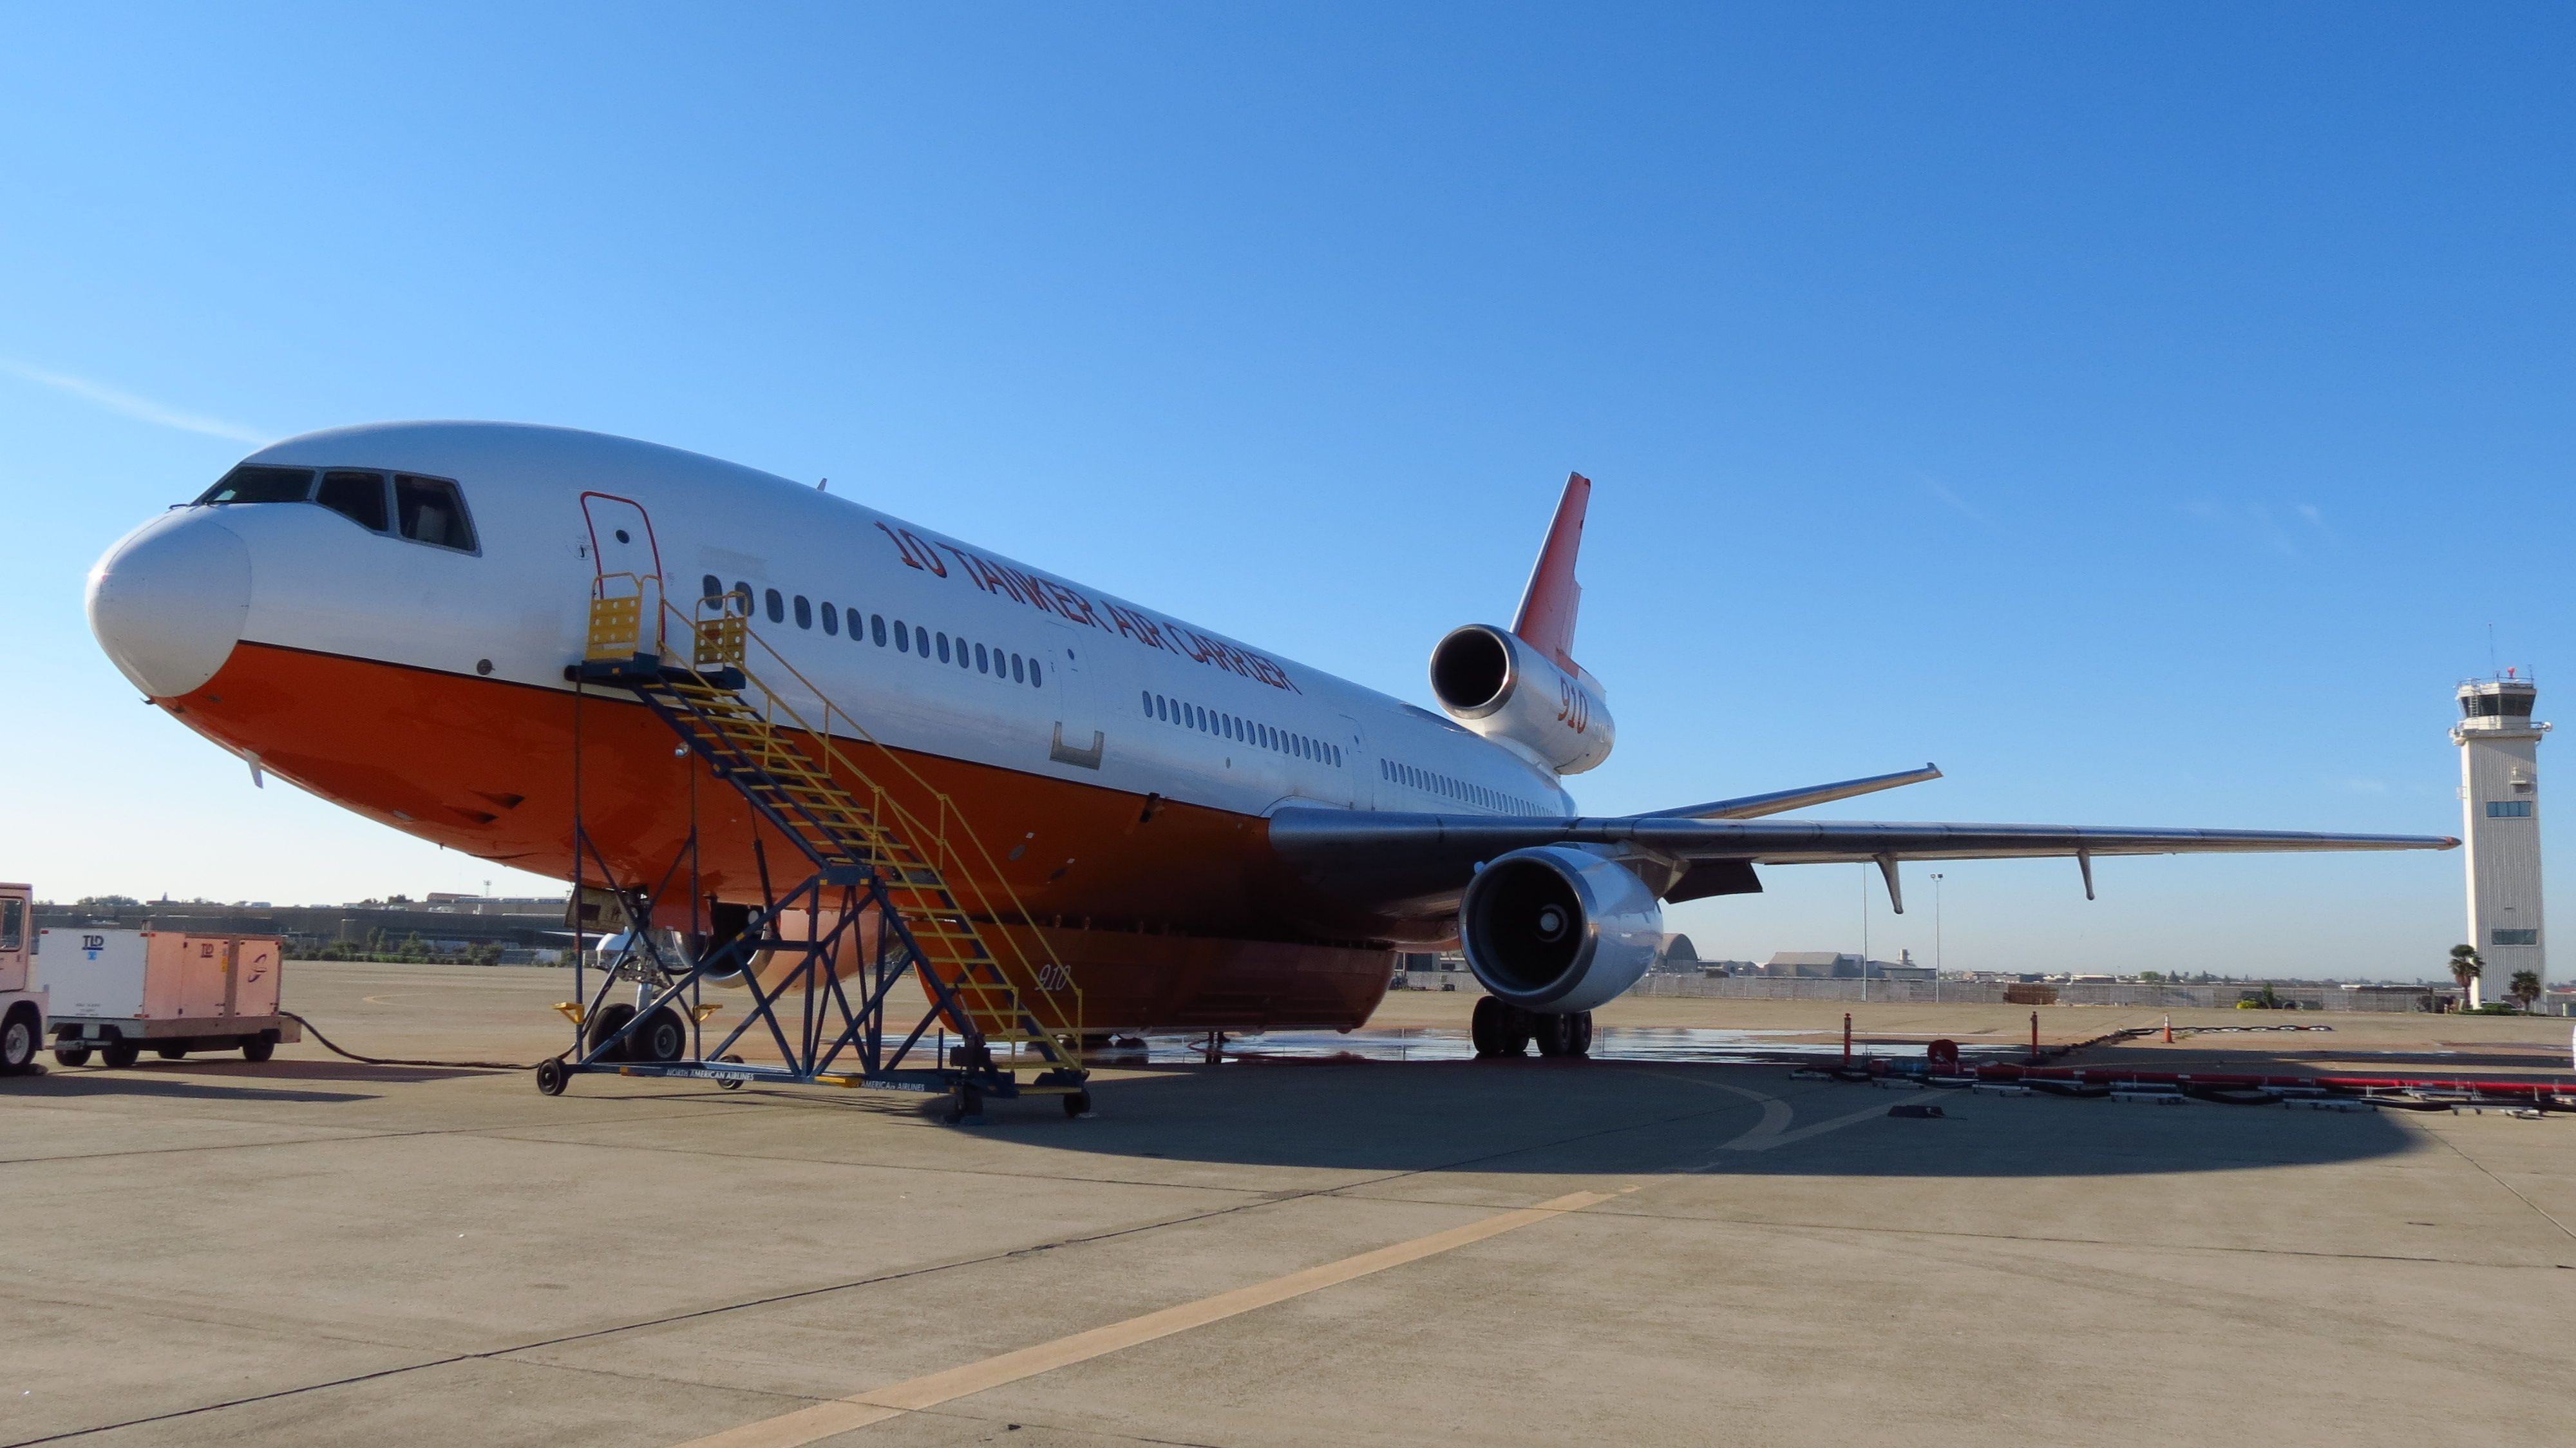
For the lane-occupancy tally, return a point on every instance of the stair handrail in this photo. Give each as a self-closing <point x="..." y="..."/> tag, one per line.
<point x="936" y="842"/>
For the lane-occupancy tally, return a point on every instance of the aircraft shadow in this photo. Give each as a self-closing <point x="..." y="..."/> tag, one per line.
<point x="1615" y="1117"/>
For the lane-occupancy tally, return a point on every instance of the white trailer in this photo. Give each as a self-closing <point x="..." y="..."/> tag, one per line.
<point x="119" y="991"/>
<point x="22" y="1003"/>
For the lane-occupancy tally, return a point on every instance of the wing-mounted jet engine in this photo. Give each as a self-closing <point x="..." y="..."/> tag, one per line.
<point x="1558" y="929"/>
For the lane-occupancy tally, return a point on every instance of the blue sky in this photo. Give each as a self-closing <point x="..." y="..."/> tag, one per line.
<point x="2142" y="411"/>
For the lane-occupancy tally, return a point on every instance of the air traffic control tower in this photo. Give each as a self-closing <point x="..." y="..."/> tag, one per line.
<point x="2500" y="802"/>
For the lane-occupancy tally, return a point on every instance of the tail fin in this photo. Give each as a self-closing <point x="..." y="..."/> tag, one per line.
<point x="1547" y="610"/>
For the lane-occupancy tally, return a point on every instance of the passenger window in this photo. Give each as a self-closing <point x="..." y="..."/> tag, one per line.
<point x="358" y="497"/>
<point x="1149" y="704"/>
<point x="432" y="512"/>
<point x="710" y="587"/>
<point x="943" y="648"/>
<point x="1015" y="668"/>
<point x="876" y="626"/>
<point x="804" y="612"/>
<point x="902" y="638"/>
<point x="743" y="591"/>
<point x="777" y="606"/>
<point x="984" y="661"/>
<point x="1035" y="680"/>
<point x="261" y="485"/>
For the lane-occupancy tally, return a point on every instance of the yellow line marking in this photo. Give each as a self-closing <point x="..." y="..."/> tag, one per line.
<point x="840" y="1415"/>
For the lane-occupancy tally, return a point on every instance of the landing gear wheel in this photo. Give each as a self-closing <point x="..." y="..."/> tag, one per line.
<point x="662" y="1037"/>
<point x="736" y="1083"/>
<point x="18" y="1042"/>
<point x="1486" y="1027"/>
<point x="1517" y="1028"/>
<point x="71" y="1055"/>
<point x="1582" y="1034"/>
<point x="258" y="1048"/>
<point x="120" y="1053"/>
<point x="1554" y="1034"/>
<point x="170" y="1053"/>
<point x="609" y="1021"/>
<point x="552" y="1077"/>
<point x="1078" y="1105"/>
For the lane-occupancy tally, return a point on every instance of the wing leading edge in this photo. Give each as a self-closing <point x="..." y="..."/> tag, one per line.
<point x="1427" y="856"/>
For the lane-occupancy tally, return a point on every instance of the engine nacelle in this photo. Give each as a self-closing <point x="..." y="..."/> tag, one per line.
<point x="1555" y="929"/>
<point x="1500" y="687"/>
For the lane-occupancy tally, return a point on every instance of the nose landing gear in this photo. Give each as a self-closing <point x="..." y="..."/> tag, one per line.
<point x="1502" y="1029"/>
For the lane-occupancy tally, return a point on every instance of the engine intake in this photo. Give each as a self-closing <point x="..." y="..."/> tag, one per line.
<point x="1497" y="685"/>
<point x="1556" y="929"/>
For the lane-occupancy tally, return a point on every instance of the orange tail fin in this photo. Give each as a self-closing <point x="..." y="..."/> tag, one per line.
<point x="1547" y="610"/>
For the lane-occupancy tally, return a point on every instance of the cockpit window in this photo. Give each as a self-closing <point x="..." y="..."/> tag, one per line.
<point x="432" y="512"/>
<point x="261" y="485"/>
<point x="358" y="497"/>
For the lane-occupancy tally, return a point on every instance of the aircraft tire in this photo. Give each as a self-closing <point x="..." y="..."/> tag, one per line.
<point x="662" y="1037"/>
<point x="1486" y="1026"/>
<point x="1554" y="1034"/>
<point x="609" y="1021"/>
<point x="1518" y="1028"/>
<point x="1582" y="1034"/>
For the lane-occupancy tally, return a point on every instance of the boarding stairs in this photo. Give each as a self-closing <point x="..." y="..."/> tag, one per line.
<point x="938" y="902"/>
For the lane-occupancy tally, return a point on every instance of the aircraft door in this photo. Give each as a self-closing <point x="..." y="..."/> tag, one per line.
<point x="1077" y="738"/>
<point x="1356" y="774"/>
<point x="626" y="560"/>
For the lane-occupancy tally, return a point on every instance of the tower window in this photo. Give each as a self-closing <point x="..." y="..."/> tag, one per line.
<point x="2513" y="937"/>
<point x="2508" y="809"/>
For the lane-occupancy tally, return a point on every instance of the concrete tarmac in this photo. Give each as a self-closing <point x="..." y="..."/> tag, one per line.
<point x="317" y="1251"/>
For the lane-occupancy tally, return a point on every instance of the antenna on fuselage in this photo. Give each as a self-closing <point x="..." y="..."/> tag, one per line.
<point x="824" y="486"/>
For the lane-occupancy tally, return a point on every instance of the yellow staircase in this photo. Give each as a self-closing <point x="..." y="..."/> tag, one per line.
<point x="939" y="890"/>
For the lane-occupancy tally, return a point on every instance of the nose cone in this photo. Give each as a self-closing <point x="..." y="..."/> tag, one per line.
<point x="168" y="603"/>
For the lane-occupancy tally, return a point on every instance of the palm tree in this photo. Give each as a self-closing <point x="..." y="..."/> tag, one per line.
<point x="2466" y="967"/>
<point x="2525" y="990"/>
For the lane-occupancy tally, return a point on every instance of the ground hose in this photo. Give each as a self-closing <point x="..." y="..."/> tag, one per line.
<point x="335" y="1049"/>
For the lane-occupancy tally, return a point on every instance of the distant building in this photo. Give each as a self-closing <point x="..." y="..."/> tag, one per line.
<point x="1840" y="965"/>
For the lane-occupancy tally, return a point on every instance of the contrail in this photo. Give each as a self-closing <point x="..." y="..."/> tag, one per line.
<point x="138" y="408"/>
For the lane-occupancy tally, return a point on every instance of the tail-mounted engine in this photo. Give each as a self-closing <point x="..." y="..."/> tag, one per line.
<point x="1500" y="687"/>
<point x="1556" y="930"/>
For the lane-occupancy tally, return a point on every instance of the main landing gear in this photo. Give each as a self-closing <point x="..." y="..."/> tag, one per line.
<point x="1502" y="1029"/>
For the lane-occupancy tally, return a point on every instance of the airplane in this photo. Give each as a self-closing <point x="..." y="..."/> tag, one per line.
<point x="1213" y="836"/>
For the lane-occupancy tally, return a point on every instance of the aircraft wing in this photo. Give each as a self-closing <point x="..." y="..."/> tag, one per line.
<point x="1426" y="856"/>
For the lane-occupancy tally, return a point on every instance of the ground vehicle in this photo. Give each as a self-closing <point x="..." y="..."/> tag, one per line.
<point x="123" y="990"/>
<point x="22" y="1004"/>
